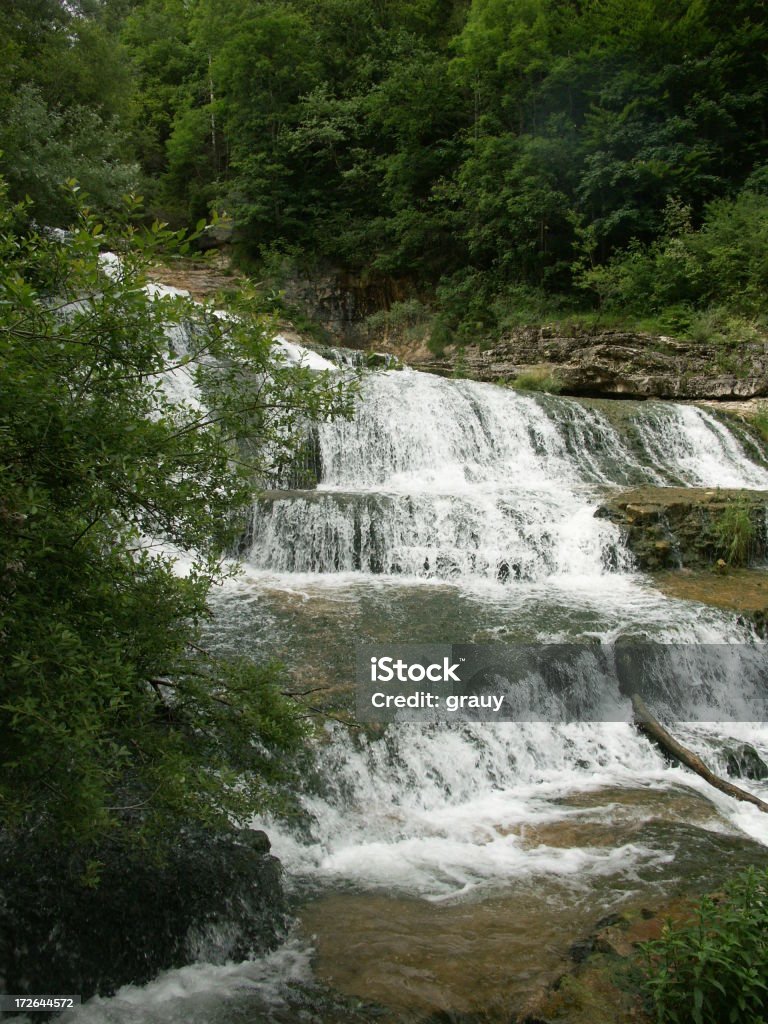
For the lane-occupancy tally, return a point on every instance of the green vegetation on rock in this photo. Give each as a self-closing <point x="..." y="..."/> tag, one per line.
<point x="537" y="379"/>
<point x="735" y="533"/>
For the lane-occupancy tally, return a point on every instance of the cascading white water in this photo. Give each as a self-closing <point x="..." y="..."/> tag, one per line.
<point x="690" y="445"/>
<point x="463" y="481"/>
<point x="455" y="479"/>
<point x="416" y="432"/>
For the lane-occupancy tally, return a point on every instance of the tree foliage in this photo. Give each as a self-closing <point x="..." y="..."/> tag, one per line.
<point x="112" y="717"/>
<point x="484" y="147"/>
<point x="64" y="100"/>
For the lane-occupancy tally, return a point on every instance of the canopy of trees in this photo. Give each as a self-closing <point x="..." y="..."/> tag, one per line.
<point x="480" y="150"/>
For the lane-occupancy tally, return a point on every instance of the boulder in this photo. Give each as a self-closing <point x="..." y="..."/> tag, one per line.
<point x="682" y="527"/>
<point x="212" y="897"/>
<point x="743" y="762"/>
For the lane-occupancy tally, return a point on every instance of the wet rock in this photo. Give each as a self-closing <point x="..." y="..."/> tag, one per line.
<point x="611" y="920"/>
<point x="614" y="942"/>
<point x="382" y="361"/>
<point x="204" y="277"/>
<point x="744" y="591"/>
<point x="743" y="762"/>
<point x="685" y="527"/>
<point x="213" y="897"/>
<point x="340" y="301"/>
<point x="582" y="949"/>
<point x="758" y="619"/>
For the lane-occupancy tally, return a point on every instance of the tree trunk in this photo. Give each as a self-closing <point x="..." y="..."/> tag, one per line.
<point x="647" y="724"/>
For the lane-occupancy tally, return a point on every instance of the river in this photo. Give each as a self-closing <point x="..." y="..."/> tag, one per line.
<point x="446" y="869"/>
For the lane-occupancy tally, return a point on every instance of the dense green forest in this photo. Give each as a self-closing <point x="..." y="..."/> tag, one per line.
<point x="500" y="159"/>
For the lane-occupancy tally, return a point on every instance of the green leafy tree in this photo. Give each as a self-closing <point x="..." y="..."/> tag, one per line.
<point x="478" y="149"/>
<point x="64" y="93"/>
<point x="42" y="146"/>
<point x="113" y="721"/>
<point x="721" y="266"/>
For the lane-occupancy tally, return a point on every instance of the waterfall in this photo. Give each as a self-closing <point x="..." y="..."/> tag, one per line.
<point x="689" y="445"/>
<point x="466" y="483"/>
<point x="456" y="480"/>
<point x="455" y="511"/>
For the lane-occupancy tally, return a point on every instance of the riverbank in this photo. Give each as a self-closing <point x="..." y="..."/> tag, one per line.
<point x="575" y="358"/>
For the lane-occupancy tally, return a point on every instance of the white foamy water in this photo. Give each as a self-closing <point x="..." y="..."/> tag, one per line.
<point x="204" y="991"/>
<point x="441" y="811"/>
<point x="690" y="444"/>
<point x="460" y="480"/>
<point x="491" y="491"/>
<point x="299" y="355"/>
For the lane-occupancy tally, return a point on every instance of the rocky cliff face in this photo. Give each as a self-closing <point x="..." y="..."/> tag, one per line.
<point x="615" y="364"/>
<point x="340" y="302"/>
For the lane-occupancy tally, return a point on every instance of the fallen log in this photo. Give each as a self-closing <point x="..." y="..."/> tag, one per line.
<point x="652" y="728"/>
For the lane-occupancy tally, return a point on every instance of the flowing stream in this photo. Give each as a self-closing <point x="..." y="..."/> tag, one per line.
<point x="447" y="869"/>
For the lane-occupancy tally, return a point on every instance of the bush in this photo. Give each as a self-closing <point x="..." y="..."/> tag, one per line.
<point x="721" y="327"/>
<point x="114" y="722"/>
<point x="406" y="319"/>
<point x="440" y="337"/>
<point x="735" y="534"/>
<point x="44" y="147"/>
<point x="720" y="270"/>
<point x="539" y="379"/>
<point x="713" y="970"/>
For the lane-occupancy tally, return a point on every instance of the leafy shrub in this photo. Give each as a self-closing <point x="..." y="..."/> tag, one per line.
<point x="43" y="147"/>
<point x="720" y="326"/>
<point x="440" y="337"/>
<point x="464" y="300"/>
<point x="523" y="305"/>
<point x="712" y="971"/>
<point x="407" y="318"/>
<point x="538" y="379"/>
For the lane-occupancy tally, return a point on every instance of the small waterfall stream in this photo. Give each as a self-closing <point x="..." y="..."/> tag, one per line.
<point x="447" y="868"/>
